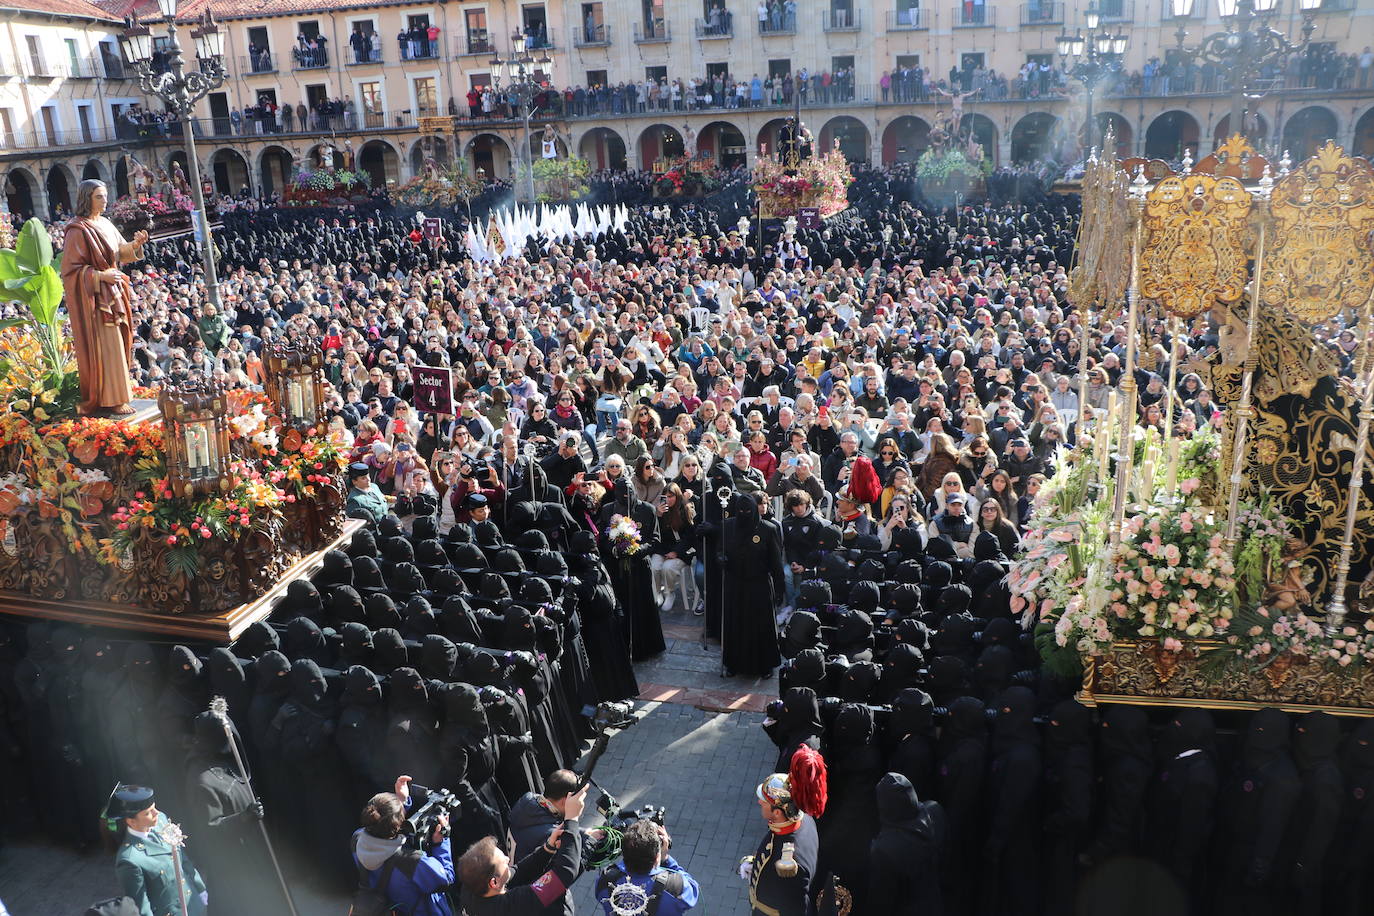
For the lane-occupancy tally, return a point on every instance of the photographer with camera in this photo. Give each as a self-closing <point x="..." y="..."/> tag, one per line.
<point x="392" y="875"/>
<point x="664" y="887"/>
<point x="534" y="818"/>
<point x="538" y="884"/>
<point x="478" y="478"/>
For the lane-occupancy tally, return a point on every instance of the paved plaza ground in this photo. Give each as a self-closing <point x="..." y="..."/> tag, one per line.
<point x="697" y="750"/>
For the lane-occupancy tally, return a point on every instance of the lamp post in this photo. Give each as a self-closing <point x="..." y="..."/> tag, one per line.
<point x="518" y="72"/>
<point x="1091" y="58"/>
<point x="1247" y="47"/>
<point x="180" y="89"/>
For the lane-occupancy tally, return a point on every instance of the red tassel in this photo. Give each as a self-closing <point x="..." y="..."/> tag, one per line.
<point x="807" y="780"/>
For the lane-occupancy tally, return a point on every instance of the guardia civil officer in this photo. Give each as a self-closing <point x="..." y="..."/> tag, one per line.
<point x="147" y="859"/>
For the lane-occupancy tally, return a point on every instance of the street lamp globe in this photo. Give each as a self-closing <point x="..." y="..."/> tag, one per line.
<point x="1227" y="8"/>
<point x="1092" y="17"/>
<point x="168" y="8"/>
<point x="1182" y="9"/>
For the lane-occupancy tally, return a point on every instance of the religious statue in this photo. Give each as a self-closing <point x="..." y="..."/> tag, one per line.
<point x="139" y="176"/>
<point x="100" y="302"/>
<point x="689" y="141"/>
<point x="1289" y="593"/>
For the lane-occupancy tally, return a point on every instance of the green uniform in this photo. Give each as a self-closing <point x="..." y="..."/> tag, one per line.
<point x="146" y="873"/>
<point x="370" y="501"/>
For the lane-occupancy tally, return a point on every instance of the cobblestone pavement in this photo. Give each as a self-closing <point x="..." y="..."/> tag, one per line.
<point x="698" y="750"/>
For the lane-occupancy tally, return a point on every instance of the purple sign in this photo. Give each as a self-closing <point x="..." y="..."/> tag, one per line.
<point x="433" y="228"/>
<point x="433" y="389"/>
<point x="809" y="217"/>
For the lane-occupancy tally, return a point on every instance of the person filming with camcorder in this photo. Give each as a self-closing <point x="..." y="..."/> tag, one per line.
<point x="398" y="868"/>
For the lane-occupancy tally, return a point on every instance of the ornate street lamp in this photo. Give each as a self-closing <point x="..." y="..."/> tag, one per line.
<point x="1090" y="59"/>
<point x="518" y="71"/>
<point x="180" y="89"/>
<point x="1246" y="48"/>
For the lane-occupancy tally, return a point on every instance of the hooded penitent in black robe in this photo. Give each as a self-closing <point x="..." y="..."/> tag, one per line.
<point x="961" y="778"/>
<point x="1307" y="844"/>
<point x="795" y="720"/>
<point x="412" y="734"/>
<point x="911" y="737"/>
<point x="1011" y="849"/>
<point x="1257" y="805"/>
<point x="186" y="695"/>
<point x="854" y="765"/>
<point x="304" y="736"/>
<point x="632" y="578"/>
<point x="905" y="857"/>
<point x="602" y="630"/>
<point x="1182" y="802"/>
<point x="221" y="815"/>
<point x="1068" y="799"/>
<point x="753" y="585"/>
<point x="466" y="744"/>
<point x="1354" y="887"/>
<point x="361" y="733"/>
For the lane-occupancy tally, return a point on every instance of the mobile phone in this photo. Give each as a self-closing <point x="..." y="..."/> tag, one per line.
<point x="825" y="410"/>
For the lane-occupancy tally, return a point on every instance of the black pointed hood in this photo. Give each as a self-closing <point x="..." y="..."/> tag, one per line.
<point x="362" y="687"/>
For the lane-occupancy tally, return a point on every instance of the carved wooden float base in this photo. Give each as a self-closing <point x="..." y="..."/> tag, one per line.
<point x="220" y="628"/>
<point x="1139" y="673"/>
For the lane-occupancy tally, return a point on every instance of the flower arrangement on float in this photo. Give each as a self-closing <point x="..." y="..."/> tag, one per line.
<point x="322" y="186"/>
<point x="1170" y="585"/>
<point x="819" y="181"/>
<point x="185" y="524"/>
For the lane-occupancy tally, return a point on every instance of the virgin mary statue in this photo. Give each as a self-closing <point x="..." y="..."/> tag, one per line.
<point x="100" y="302"/>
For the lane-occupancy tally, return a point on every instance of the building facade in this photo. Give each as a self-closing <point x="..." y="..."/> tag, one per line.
<point x="358" y="77"/>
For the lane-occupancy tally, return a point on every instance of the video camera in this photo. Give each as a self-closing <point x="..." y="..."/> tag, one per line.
<point x="420" y="825"/>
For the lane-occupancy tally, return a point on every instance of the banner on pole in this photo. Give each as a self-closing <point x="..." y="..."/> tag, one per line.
<point x="433" y="389"/>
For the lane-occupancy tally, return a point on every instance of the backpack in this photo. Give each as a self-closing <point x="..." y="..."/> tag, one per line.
<point x="373" y="901"/>
<point x="664" y="882"/>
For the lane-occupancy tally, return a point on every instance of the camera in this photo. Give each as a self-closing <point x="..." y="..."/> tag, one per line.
<point x="611" y="714"/>
<point x="420" y="825"/>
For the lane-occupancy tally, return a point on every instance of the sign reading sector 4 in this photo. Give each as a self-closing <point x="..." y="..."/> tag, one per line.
<point x="433" y="388"/>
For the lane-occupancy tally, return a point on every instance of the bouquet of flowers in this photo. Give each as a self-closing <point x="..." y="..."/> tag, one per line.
<point x="624" y="537"/>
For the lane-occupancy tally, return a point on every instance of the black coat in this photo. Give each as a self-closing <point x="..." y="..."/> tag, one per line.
<point x="753" y="587"/>
<point x="791" y="895"/>
<point x="905" y="857"/>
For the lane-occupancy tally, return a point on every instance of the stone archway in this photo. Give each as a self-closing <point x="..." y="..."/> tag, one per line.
<point x="94" y="168"/>
<point x="229" y="172"/>
<point x="604" y="149"/>
<point x="725" y="142"/>
<point x="1120" y="127"/>
<point x="904" y="139"/>
<point x="489" y="157"/>
<point x="429" y="147"/>
<point x="1033" y="138"/>
<point x="1364" y="135"/>
<point x="984" y="132"/>
<point x="381" y="162"/>
<point x="1171" y="135"/>
<point x="122" y="177"/>
<point x="20" y="190"/>
<point x="275" y="167"/>
<point x="850" y="134"/>
<point x="1307" y="130"/>
<point x="659" y="141"/>
<point x="61" y="186"/>
<point x="1259" y="129"/>
<point x="767" y="141"/>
